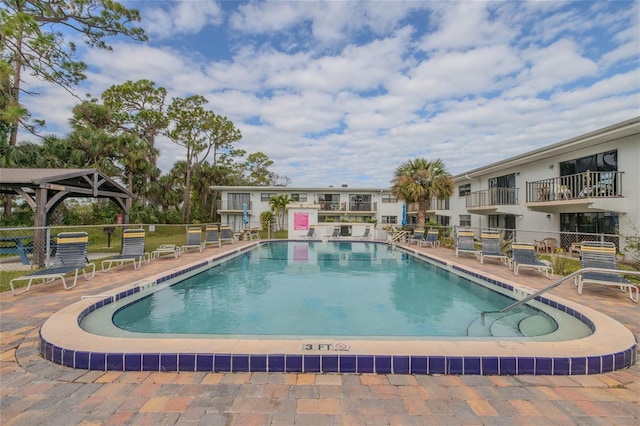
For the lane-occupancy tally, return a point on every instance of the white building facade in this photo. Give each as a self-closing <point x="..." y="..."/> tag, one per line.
<point x="327" y="205"/>
<point x="589" y="184"/>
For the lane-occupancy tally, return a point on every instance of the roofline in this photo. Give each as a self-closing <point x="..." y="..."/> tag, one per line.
<point x="606" y="134"/>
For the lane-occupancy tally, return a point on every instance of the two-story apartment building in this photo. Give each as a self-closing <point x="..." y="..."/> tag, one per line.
<point x="587" y="184"/>
<point x="333" y="204"/>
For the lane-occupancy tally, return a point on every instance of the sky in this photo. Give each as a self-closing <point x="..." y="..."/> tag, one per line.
<point x="344" y="92"/>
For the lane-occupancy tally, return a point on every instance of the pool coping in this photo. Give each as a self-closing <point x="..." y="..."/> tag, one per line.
<point x="62" y="341"/>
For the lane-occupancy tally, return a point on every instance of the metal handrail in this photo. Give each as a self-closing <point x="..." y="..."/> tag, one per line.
<point x="561" y="280"/>
<point x="400" y="235"/>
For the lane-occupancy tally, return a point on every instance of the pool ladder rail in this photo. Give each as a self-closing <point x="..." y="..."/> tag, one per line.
<point x="532" y="296"/>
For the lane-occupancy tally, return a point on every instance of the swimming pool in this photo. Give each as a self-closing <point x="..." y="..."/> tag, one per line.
<point x="338" y="289"/>
<point x="78" y="348"/>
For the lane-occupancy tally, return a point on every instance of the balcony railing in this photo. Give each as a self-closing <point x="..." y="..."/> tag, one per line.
<point x="580" y="185"/>
<point x="492" y="197"/>
<point x="233" y="205"/>
<point x="436" y="204"/>
<point x="348" y="207"/>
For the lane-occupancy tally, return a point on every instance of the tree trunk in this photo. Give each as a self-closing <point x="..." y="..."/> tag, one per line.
<point x="186" y="213"/>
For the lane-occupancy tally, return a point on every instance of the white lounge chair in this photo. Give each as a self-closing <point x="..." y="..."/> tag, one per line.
<point x="212" y="236"/>
<point x="226" y="236"/>
<point x="602" y="255"/>
<point x="465" y="243"/>
<point x="132" y="250"/>
<point x="432" y="239"/>
<point x="166" y="249"/>
<point x="194" y="239"/>
<point x="417" y="238"/>
<point x="491" y="248"/>
<point x="71" y="256"/>
<point x="524" y="256"/>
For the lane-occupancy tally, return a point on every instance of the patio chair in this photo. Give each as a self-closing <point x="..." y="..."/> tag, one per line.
<point x="418" y="237"/>
<point x="602" y="255"/>
<point x="491" y="248"/>
<point x="132" y="250"/>
<point x="212" y="236"/>
<point x="71" y="256"/>
<point x="254" y="234"/>
<point x="226" y="235"/>
<point x="432" y="239"/>
<point x="547" y="245"/>
<point x="336" y="232"/>
<point x="524" y="256"/>
<point x="194" y="239"/>
<point x="465" y="244"/>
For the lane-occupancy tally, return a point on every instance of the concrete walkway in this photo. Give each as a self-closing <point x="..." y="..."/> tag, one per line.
<point x="36" y="392"/>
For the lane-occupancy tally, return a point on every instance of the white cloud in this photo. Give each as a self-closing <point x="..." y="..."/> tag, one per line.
<point x="344" y="92"/>
<point x="184" y="17"/>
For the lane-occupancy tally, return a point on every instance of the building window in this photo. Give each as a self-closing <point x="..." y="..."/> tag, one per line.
<point x="439" y="204"/>
<point x="465" y="189"/>
<point x="603" y="162"/>
<point x="266" y="196"/>
<point x="389" y="198"/>
<point x="301" y="198"/>
<point x="236" y="201"/>
<point x="329" y="202"/>
<point x="442" y="220"/>
<point x="390" y="220"/>
<point x="465" y="220"/>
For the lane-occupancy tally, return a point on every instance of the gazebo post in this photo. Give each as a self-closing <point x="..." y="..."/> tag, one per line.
<point x="40" y="234"/>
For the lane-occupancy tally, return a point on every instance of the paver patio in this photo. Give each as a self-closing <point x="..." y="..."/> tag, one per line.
<point x="37" y="392"/>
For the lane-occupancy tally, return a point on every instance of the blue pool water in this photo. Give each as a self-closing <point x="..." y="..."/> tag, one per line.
<point x="329" y="289"/>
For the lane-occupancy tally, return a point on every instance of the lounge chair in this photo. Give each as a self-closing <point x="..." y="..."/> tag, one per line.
<point x="194" y="239"/>
<point x="491" y="248"/>
<point x="132" y="250"/>
<point x="366" y="235"/>
<point x="226" y="236"/>
<point x="602" y="255"/>
<point x="212" y="236"/>
<point x="418" y="237"/>
<point x="432" y="239"/>
<point x="166" y="249"/>
<point x="464" y="243"/>
<point x="336" y="232"/>
<point x="71" y="256"/>
<point x="524" y="256"/>
<point x="311" y="232"/>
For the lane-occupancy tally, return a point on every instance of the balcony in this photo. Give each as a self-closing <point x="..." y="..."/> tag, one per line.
<point x="352" y="207"/>
<point x="434" y="207"/>
<point x="493" y="201"/>
<point x="233" y="206"/>
<point x="581" y="192"/>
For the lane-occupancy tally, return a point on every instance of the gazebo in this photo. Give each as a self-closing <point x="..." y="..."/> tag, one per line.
<point x="44" y="189"/>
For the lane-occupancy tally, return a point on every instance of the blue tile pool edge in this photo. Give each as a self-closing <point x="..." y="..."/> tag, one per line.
<point x="332" y="362"/>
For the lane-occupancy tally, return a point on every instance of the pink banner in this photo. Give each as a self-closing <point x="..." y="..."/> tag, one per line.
<point x="300" y="221"/>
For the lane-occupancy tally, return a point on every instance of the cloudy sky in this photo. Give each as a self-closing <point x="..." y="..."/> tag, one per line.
<point x="343" y="92"/>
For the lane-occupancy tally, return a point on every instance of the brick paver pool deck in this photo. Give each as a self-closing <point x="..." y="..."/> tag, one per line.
<point x="34" y="391"/>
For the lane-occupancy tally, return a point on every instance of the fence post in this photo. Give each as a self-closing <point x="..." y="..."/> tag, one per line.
<point x="48" y="246"/>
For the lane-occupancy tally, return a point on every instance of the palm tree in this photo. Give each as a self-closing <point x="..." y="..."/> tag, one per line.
<point x="420" y="181"/>
<point x="278" y="205"/>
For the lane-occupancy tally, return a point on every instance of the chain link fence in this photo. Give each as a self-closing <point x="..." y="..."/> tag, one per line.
<point x="24" y="249"/>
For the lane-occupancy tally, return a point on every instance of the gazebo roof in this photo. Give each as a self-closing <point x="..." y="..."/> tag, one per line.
<point x="74" y="182"/>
